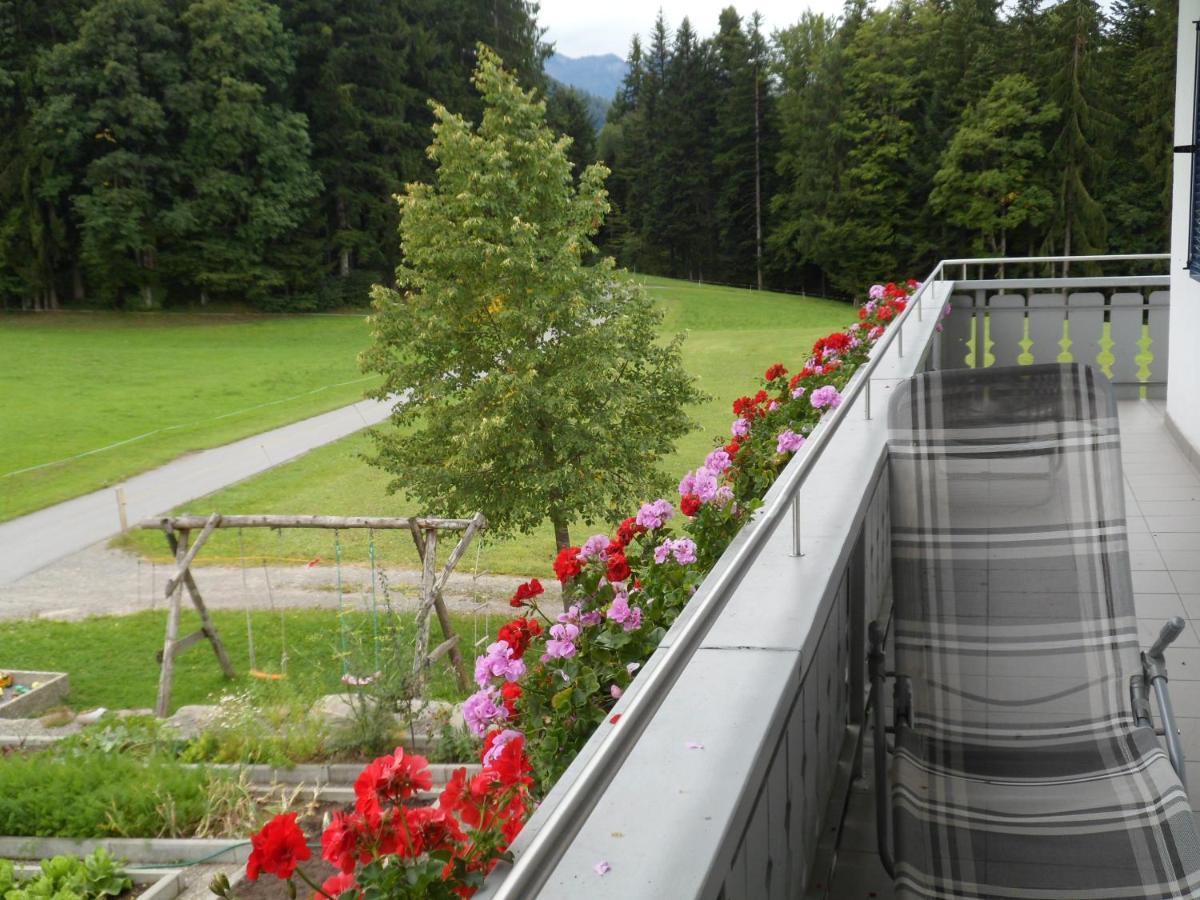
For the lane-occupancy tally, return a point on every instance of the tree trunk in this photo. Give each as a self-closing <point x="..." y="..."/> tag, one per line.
<point x="757" y="185"/>
<point x="344" y="254"/>
<point x="77" y="289"/>
<point x="562" y="539"/>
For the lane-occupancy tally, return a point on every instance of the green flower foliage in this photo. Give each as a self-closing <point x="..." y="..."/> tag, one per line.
<point x="535" y="387"/>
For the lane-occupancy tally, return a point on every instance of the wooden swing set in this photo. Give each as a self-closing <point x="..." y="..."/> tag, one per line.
<point x="424" y="531"/>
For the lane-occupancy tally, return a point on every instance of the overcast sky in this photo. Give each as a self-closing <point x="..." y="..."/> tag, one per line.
<point x="589" y="27"/>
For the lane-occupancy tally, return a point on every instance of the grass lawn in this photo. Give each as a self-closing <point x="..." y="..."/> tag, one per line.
<point x="111" y="659"/>
<point x="733" y="335"/>
<point x="157" y="385"/>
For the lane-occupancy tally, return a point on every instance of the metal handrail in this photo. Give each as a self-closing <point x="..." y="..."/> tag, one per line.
<point x="535" y="865"/>
<point x="1099" y="257"/>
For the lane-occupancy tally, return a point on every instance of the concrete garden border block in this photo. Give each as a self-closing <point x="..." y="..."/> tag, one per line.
<point x="163" y="852"/>
<point x="159" y="884"/>
<point x="52" y="688"/>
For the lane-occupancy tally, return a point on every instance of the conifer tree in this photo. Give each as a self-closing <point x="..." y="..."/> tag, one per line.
<point x="567" y="113"/>
<point x="989" y="181"/>
<point x="245" y="179"/>
<point x="535" y="385"/>
<point x="104" y="118"/>
<point x="1078" y="224"/>
<point x="737" y="159"/>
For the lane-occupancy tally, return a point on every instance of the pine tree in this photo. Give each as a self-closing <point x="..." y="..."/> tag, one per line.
<point x="244" y="157"/>
<point x="685" y="214"/>
<point x="1078" y="224"/>
<point x="567" y="113"/>
<point x="806" y="163"/>
<point x="1140" y="51"/>
<point x="38" y="245"/>
<point x="878" y="191"/>
<point x="737" y="136"/>
<point x="537" y="387"/>
<point x="363" y="79"/>
<point x="989" y="181"/>
<point x="104" y="114"/>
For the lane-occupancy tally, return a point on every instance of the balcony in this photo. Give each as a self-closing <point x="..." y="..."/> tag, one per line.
<point x="735" y="772"/>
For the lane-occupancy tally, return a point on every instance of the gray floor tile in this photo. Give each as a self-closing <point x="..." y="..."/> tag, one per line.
<point x="1176" y="507"/>
<point x="1173" y="523"/>
<point x="1175" y="540"/>
<point x="1191" y="605"/>
<point x="1181" y="560"/>
<point x="1142" y="541"/>
<point x="1159" y="606"/>
<point x="1183" y="665"/>
<point x="1187" y="581"/>
<point x="1187" y="495"/>
<point x="1153" y="583"/>
<point x="1146" y="561"/>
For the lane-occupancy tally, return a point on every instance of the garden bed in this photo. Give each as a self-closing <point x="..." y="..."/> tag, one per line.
<point x="32" y="693"/>
<point x="148" y="884"/>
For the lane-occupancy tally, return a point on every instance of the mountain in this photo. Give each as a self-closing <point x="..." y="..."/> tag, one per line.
<point x="596" y="75"/>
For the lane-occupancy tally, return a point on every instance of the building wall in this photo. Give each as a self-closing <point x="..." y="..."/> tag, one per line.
<point x="1183" y="379"/>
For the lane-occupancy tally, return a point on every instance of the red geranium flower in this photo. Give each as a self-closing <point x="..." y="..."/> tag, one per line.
<point x="511" y="692"/>
<point x="776" y="371"/>
<point x="394" y="777"/>
<point x="527" y="591"/>
<point x="567" y="565"/>
<point x="628" y="530"/>
<point x="743" y="407"/>
<point x="342" y="844"/>
<point x="510" y="766"/>
<point x="689" y="505"/>
<point x="277" y="848"/>
<point x="336" y="885"/>
<point x="518" y="633"/>
<point x="432" y="829"/>
<point x="618" y="568"/>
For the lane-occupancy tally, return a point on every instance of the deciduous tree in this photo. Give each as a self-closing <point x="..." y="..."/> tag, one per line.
<point x="535" y="386"/>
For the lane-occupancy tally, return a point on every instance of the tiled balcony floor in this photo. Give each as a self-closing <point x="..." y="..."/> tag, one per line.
<point x="1162" y="496"/>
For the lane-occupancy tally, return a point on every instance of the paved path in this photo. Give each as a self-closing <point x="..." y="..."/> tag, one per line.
<point x="31" y="542"/>
<point x="103" y="581"/>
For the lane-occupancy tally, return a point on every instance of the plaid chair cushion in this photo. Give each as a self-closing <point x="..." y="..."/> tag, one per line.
<point x="1022" y="773"/>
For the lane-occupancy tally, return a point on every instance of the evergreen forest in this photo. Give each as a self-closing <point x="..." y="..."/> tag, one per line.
<point x="178" y="152"/>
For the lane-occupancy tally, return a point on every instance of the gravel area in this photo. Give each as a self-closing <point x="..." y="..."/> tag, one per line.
<point x="103" y="581"/>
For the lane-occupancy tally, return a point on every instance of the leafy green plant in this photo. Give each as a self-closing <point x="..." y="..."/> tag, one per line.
<point x="92" y="877"/>
<point x="86" y="794"/>
<point x="131" y="736"/>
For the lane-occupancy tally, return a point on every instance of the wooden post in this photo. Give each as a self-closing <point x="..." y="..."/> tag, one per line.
<point x="428" y="598"/>
<point x="122" y="516"/>
<point x="163" y="703"/>
<point x="456" y="657"/>
<point x="206" y="626"/>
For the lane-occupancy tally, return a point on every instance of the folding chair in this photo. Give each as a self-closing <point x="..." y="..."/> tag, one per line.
<point x="1024" y="762"/>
